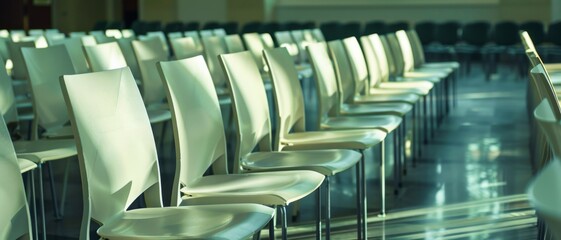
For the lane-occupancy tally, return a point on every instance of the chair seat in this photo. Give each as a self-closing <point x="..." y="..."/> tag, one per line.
<point x="26" y="165"/>
<point x="271" y="188"/>
<point x="383" y="95"/>
<point x="40" y="151"/>
<point x="555" y="78"/>
<point x="414" y="78"/>
<point x="61" y="132"/>
<point x="343" y="139"/>
<point x="398" y="109"/>
<point x="440" y="71"/>
<point x="229" y="221"/>
<point x="427" y="75"/>
<point x="425" y="86"/>
<point x="326" y="162"/>
<point x="450" y="64"/>
<point x="386" y="123"/>
<point x="158" y="115"/>
<point x="398" y="89"/>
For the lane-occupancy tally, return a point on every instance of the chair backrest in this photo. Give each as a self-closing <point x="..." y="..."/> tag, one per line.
<point x="219" y="32"/>
<point x="318" y="35"/>
<point x="197" y="121"/>
<point x="544" y="194"/>
<point x="128" y="33"/>
<point x="326" y="80"/>
<point x="545" y="88"/>
<point x="406" y="51"/>
<point x="382" y="59"/>
<point x="548" y="122"/>
<point x="476" y="33"/>
<point x="358" y="65"/>
<point x="174" y="35"/>
<point x="162" y="37"/>
<point x="185" y="47"/>
<point x="88" y="40"/>
<point x="348" y="86"/>
<point x="116" y="148"/>
<point x="19" y="70"/>
<point x="206" y="33"/>
<point x="148" y="52"/>
<point x="17" y="34"/>
<point x="527" y="41"/>
<point x="48" y="102"/>
<point x="105" y="56"/>
<point x="373" y="64"/>
<point x="76" y="34"/>
<point x="284" y="39"/>
<point x="7" y="98"/>
<point x="52" y="38"/>
<point x="125" y="44"/>
<point x="15" y="222"/>
<point x="74" y="48"/>
<point x="234" y="43"/>
<point x="267" y="40"/>
<point x="213" y="46"/>
<point x="255" y="46"/>
<point x="392" y="47"/>
<point x="196" y="37"/>
<point x="100" y="39"/>
<point x="417" y="47"/>
<point x="289" y="100"/>
<point x="251" y="109"/>
<point x="114" y="33"/>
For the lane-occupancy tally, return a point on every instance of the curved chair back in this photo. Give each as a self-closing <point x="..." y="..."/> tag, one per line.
<point x="417" y="47"/>
<point x="219" y="32"/>
<point x="234" y="43"/>
<point x="15" y="222"/>
<point x="7" y="98"/>
<point x="251" y="109"/>
<point x="197" y="121"/>
<point x="213" y="46"/>
<point x="125" y="44"/>
<point x="476" y="33"/>
<point x="185" y="47"/>
<point x="375" y="42"/>
<point x="256" y="46"/>
<point x="44" y="73"/>
<point x="148" y="52"/>
<point x="284" y="39"/>
<point x="544" y="194"/>
<point x="267" y="40"/>
<point x="289" y="100"/>
<point x="425" y="31"/>
<point x="162" y="37"/>
<point x="326" y="80"/>
<point x="196" y="37"/>
<point x="358" y="65"/>
<point x="348" y="86"/>
<point x="116" y="148"/>
<point x="318" y="35"/>
<point x="19" y="70"/>
<point x="54" y="37"/>
<point x="105" y="56"/>
<point x="174" y="35"/>
<point x="88" y="40"/>
<point x="527" y="41"/>
<point x="393" y="47"/>
<point x="406" y="51"/>
<point x="545" y="89"/>
<point x="74" y="48"/>
<point x="548" y="121"/>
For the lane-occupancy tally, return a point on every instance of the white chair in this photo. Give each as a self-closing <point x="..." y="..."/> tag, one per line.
<point x="284" y="39"/>
<point x="19" y="70"/>
<point x="292" y="135"/>
<point x="105" y="56"/>
<point x="256" y="46"/>
<point x="15" y="222"/>
<point x="74" y="48"/>
<point x="36" y="32"/>
<point x="185" y="47"/>
<point x="17" y="34"/>
<point x="128" y="33"/>
<point x="201" y="144"/>
<point x="174" y="35"/>
<point x="113" y="33"/>
<point x="234" y="43"/>
<point x="162" y="37"/>
<point x="254" y="129"/>
<point x="88" y="40"/>
<point x="77" y="34"/>
<point x="125" y="44"/>
<point x="196" y="37"/>
<point x="212" y="48"/>
<point x="102" y="100"/>
<point x="54" y="37"/>
<point x="219" y="32"/>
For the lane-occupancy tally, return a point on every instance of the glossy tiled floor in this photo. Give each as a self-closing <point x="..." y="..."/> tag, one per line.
<point x="469" y="183"/>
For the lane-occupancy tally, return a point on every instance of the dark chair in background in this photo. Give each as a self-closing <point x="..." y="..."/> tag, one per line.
<point x="396" y="26"/>
<point x="446" y="37"/>
<point x="191" y="26"/>
<point x="330" y="30"/>
<point x="504" y="37"/>
<point x="230" y="27"/>
<point x="251" y="27"/>
<point x="474" y="36"/>
<point x="426" y="32"/>
<point x="173" y="27"/>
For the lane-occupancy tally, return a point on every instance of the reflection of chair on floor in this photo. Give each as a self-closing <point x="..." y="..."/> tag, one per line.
<point x="292" y="135"/>
<point x="254" y="132"/>
<point x="201" y="144"/>
<point x="100" y="101"/>
<point x="15" y="222"/>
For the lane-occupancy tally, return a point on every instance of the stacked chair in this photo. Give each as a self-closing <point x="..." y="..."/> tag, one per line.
<point x="98" y="99"/>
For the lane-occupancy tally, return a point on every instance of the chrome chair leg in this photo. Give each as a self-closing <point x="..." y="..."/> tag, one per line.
<point x="327" y="208"/>
<point x="359" y="198"/>
<point x="283" y="222"/>
<point x="64" y="188"/>
<point x="42" y="200"/>
<point x="318" y="214"/>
